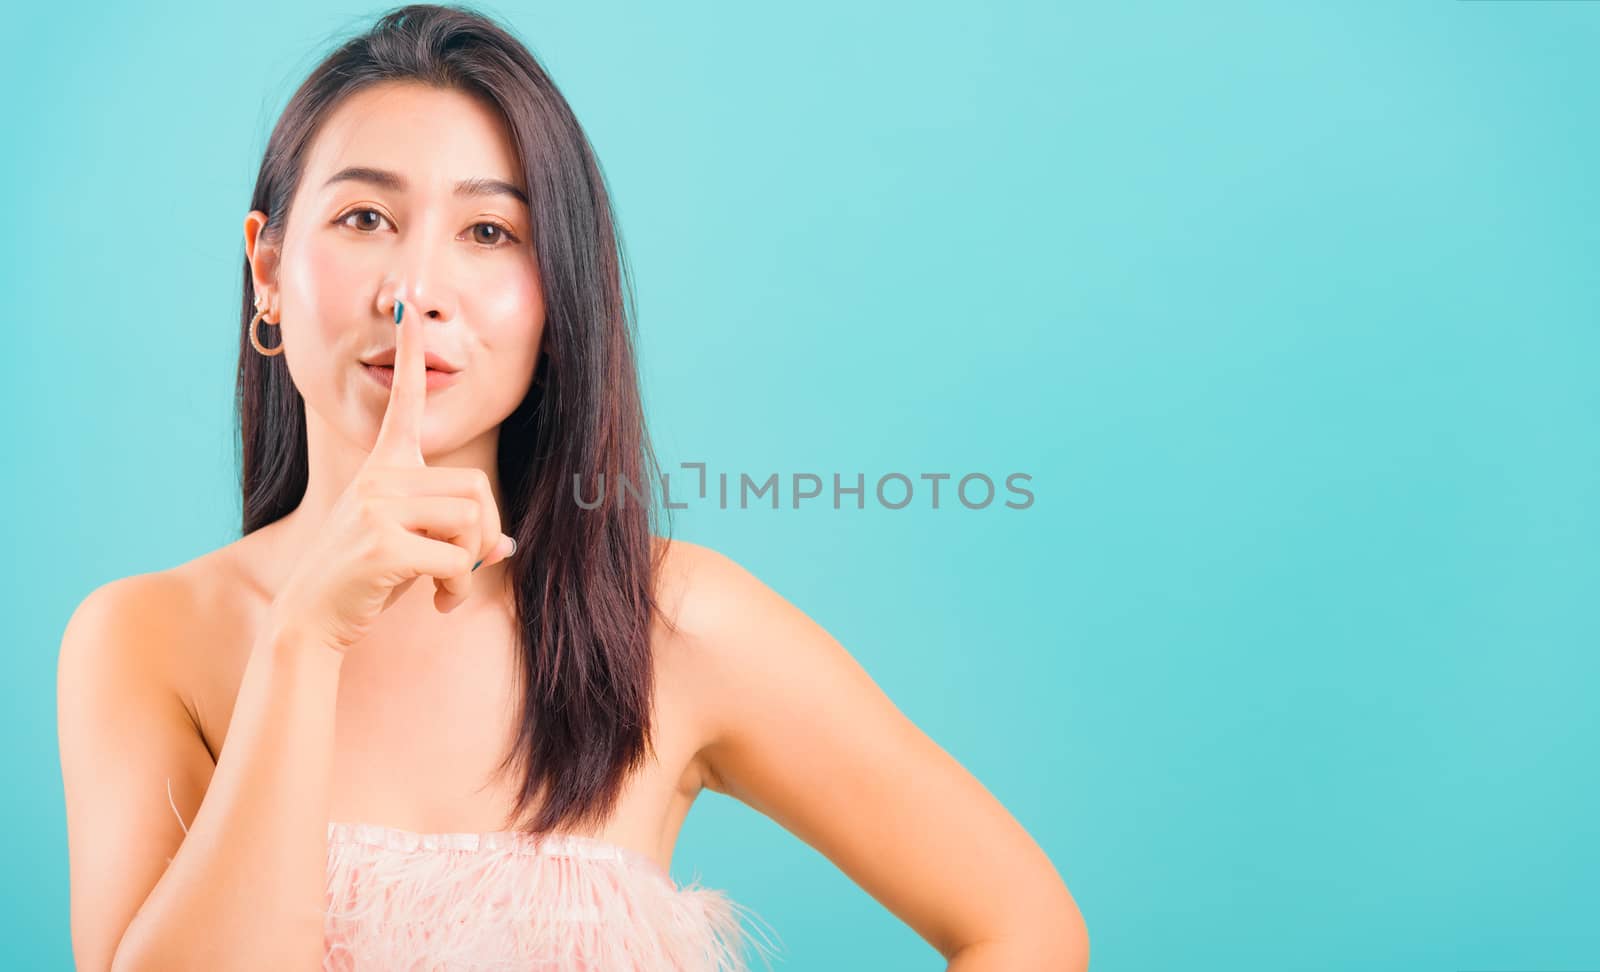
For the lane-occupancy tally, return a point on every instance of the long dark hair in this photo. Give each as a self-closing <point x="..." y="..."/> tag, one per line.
<point x="583" y="578"/>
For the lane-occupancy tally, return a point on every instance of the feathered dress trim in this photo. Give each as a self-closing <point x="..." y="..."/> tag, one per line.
<point x="402" y="901"/>
<point x="513" y="900"/>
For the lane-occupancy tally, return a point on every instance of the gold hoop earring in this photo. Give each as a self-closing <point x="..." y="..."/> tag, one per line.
<point x="256" y="342"/>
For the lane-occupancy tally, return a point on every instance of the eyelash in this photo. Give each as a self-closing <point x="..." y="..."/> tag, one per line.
<point x="505" y="230"/>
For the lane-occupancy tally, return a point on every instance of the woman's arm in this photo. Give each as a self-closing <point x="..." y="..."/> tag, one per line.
<point x="246" y="887"/>
<point x="801" y="733"/>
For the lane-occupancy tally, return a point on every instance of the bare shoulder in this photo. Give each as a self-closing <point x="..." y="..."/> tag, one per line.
<point x="143" y="626"/>
<point x="126" y="624"/>
<point x="713" y="604"/>
<point x="739" y="645"/>
<point x="699" y="589"/>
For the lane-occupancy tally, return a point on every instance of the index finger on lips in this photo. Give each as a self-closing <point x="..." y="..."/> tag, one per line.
<point x="400" y="436"/>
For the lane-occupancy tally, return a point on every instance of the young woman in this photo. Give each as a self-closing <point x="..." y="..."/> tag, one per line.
<point x="287" y="754"/>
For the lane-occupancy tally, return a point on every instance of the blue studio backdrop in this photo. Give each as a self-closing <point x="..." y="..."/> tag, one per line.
<point x="1286" y="310"/>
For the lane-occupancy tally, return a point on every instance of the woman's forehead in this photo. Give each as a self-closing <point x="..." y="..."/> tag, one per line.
<point x="430" y="139"/>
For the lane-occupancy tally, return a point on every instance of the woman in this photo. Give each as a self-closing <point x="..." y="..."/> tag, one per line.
<point x="519" y="739"/>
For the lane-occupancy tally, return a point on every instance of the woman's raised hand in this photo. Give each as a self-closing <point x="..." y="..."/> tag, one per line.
<point x="398" y="519"/>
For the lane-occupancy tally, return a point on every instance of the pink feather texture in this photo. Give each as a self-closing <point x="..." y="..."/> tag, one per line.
<point x="402" y="901"/>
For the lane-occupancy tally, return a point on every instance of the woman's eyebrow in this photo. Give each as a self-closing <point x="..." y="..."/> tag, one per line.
<point x="384" y="179"/>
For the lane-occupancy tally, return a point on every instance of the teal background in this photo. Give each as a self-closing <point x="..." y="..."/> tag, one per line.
<point x="1289" y="310"/>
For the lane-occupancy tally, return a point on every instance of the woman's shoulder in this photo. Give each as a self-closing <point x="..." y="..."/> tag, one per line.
<point x="134" y="624"/>
<point x="131" y="607"/>
<point x="718" y="612"/>
<point x="749" y="660"/>
<point x="697" y="586"/>
<point x="170" y="594"/>
<point x="155" y="613"/>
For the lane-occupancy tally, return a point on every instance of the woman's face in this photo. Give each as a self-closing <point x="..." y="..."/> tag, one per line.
<point x="461" y="259"/>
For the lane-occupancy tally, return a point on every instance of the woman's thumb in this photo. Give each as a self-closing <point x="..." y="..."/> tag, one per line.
<point x="502" y="551"/>
<point x="507" y="547"/>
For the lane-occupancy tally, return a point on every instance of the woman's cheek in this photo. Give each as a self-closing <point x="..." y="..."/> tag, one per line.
<point x="330" y="285"/>
<point x="312" y="315"/>
<point x="511" y="298"/>
<point x="509" y="356"/>
<point x="512" y="308"/>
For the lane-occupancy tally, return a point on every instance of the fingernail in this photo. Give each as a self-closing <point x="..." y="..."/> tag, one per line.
<point x="477" y="565"/>
<point x="399" y="308"/>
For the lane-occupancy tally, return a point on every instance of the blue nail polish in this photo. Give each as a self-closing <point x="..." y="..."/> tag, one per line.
<point x="477" y="565"/>
<point x="399" y="308"/>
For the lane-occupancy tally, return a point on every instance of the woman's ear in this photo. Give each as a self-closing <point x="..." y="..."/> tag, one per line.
<point x="261" y="252"/>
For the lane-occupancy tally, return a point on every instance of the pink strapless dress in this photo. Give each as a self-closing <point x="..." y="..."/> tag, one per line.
<point x="401" y="901"/>
<point x="506" y="900"/>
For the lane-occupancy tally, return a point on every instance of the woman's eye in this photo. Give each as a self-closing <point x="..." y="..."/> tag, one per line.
<point x="361" y="212"/>
<point x="500" y="234"/>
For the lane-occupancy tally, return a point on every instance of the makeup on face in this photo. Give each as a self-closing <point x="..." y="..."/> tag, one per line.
<point x="383" y="374"/>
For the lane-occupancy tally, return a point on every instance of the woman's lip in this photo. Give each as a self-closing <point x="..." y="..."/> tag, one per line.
<point x="384" y="375"/>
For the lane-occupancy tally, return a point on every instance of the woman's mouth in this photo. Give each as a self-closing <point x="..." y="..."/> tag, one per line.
<point x="384" y="375"/>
